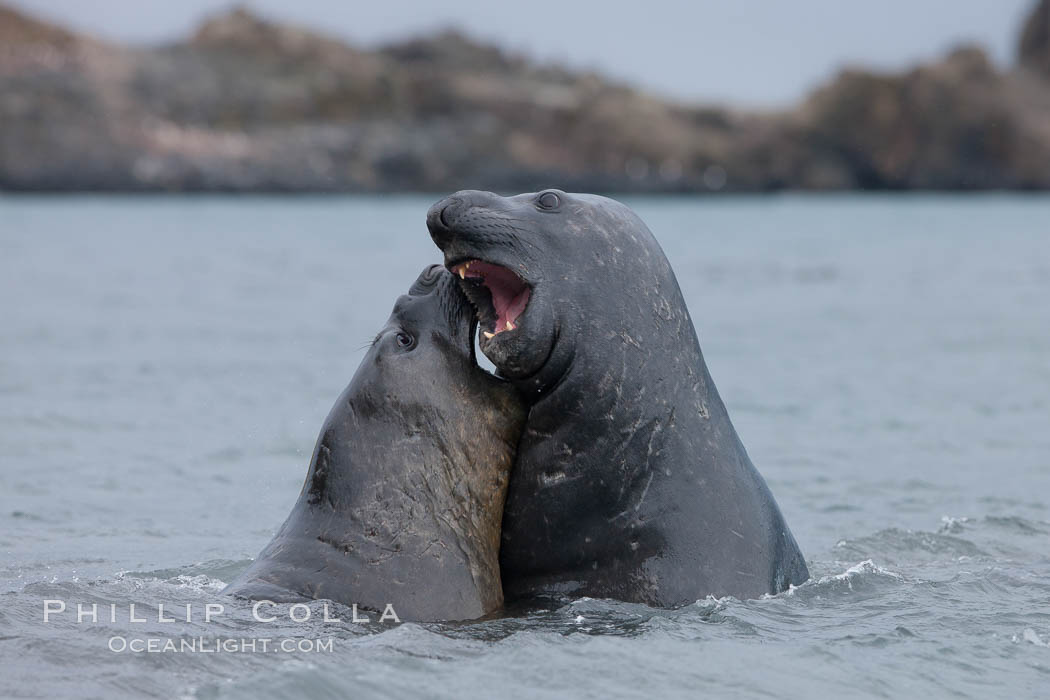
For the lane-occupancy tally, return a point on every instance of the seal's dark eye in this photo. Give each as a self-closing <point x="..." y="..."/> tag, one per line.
<point x="548" y="200"/>
<point x="404" y="340"/>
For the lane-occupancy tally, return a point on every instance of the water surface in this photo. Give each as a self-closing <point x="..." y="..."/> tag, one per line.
<point x="166" y="363"/>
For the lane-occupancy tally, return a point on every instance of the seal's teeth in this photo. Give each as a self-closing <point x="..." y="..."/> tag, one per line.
<point x="488" y="335"/>
<point x="510" y="326"/>
<point x="462" y="275"/>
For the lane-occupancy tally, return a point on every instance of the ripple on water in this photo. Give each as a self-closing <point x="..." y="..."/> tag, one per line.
<point x="895" y="545"/>
<point x="219" y="570"/>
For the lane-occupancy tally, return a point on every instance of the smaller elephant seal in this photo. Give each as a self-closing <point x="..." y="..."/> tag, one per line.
<point x="404" y="496"/>
<point x="629" y="481"/>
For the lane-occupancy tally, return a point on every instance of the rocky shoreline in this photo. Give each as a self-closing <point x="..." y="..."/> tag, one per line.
<point x="248" y="105"/>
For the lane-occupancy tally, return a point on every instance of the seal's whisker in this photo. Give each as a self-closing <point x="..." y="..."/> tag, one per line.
<point x="370" y="343"/>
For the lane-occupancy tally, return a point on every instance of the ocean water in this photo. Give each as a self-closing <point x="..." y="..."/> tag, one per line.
<point x="166" y="362"/>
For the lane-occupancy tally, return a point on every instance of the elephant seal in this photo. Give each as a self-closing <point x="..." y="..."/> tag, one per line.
<point x="404" y="496"/>
<point x="630" y="481"/>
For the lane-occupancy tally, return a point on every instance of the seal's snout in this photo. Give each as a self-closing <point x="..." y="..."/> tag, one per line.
<point x="430" y="277"/>
<point x="455" y="211"/>
<point x="440" y="218"/>
<point x="448" y="212"/>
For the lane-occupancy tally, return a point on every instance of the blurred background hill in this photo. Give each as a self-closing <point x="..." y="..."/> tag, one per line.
<point x="247" y="103"/>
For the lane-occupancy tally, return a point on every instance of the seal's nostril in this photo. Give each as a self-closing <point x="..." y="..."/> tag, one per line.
<point x="440" y="218"/>
<point x="446" y="215"/>
<point x="450" y="211"/>
<point x="427" y="280"/>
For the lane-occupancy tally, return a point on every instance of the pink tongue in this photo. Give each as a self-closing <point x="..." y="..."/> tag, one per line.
<point x="509" y="309"/>
<point x="510" y="295"/>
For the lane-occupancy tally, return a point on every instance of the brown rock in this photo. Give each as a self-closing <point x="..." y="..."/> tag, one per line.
<point x="1034" y="49"/>
<point x="250" y="104"/>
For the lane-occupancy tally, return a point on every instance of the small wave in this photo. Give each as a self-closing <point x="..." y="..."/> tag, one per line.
<point x="1012" y="523"/>
<point x="1029" y="635"/>
<point x="866" y="567"/>
<point x="952" y="526"/>
<point x="26" y="516"/>
<point x="999" y="536"/>
<point x="864" y="575"/>
<point x="896" y="545"/>
<point x="214" y="571"/>
<point x="1018" y="525"/>
<point x="199" y="583"/>
<point x="710" y="604"/>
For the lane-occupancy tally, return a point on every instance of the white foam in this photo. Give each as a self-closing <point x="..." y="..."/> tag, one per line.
<point x="715" y="604"/>
<point x="200" y="582"/>
<point x="950" y="524"/>
<point x="1031" y="637"/>
<point x="865" y="567"/>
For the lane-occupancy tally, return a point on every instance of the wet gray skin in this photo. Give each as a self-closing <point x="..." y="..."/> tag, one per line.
<point x="404" y="496"/>
<point x="630" y="481"/>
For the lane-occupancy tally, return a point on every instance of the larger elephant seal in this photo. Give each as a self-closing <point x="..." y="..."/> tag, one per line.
<point x="630" y="481"/>
<point x="403" y="500"/>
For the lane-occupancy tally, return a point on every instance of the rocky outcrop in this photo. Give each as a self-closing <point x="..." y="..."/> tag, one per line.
<point x="250" y="105"/>
<point x="1034" y="49"/>
<point x="956" y="124"/>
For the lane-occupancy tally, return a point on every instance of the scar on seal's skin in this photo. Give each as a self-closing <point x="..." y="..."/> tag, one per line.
<point x="628" y="453"/>
<point x="404" y="497"/>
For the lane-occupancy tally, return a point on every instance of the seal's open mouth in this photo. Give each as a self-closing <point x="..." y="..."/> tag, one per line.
<point x="499" y="295"/>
